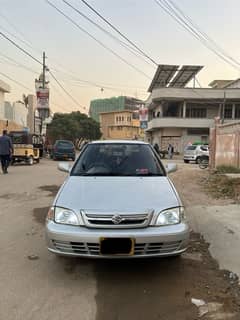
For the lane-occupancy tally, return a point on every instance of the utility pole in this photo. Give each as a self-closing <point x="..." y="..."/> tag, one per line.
<point x="44" y="69"/>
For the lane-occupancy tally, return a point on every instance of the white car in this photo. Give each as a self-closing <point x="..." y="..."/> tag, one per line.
<point x="194" y="152"/>
<point x="117" y="202"/>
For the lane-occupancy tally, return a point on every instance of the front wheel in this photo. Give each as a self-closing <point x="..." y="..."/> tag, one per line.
<point x="30" y="161"/>
<point x="203" y="164"/>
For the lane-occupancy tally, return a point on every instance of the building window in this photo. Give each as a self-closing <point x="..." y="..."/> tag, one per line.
<point x="192" y="112"/>
<point x="237" y="111"/>
<point x="228" y="112"/>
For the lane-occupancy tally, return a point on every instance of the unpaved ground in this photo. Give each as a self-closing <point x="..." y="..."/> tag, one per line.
<point x="37" y="285"/>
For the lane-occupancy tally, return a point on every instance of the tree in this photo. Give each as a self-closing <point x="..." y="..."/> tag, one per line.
<point x="73" y="126"/>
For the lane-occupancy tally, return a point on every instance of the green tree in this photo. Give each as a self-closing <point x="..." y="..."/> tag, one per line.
<point x="73" y="126"/>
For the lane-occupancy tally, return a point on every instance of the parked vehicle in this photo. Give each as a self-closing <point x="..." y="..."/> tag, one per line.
<point x="203" y="161"/>
<point x="117" y="202"/>
<point x="63" y="149"/>
<point x="26" y="147"/>
<point x="194" y="152"/>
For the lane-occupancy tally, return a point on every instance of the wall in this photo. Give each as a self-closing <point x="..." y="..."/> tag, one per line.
<point x="11" y="126"/>
<point x="32" y="104"/>
<point x="1" y="105"/>
<point x="123" y="132"/>
<point x="225" y="145"/>
<point x="20" y="113"/>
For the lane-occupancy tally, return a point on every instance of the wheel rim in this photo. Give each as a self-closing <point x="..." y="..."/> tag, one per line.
<point x="31" y="161"/>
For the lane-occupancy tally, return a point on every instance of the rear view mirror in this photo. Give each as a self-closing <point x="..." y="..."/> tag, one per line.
<point x="64" y="166"/>
<point x="171" y="167"/>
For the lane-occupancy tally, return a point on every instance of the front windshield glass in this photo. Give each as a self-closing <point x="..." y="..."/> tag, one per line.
<point x="115" y="159"/>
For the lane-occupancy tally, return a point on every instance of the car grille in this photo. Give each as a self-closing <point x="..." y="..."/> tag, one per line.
<point x="110" y="220"/>
<point x="82" y="248"/>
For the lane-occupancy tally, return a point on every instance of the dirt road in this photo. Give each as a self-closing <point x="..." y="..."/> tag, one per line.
<point x="37" y="285"/>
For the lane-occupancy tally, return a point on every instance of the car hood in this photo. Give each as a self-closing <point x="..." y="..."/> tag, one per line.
<point x="117" y="193"/>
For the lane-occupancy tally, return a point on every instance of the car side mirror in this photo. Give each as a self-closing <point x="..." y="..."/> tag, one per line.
<point x="64" y="166"/>
<point x="171" y="167"/>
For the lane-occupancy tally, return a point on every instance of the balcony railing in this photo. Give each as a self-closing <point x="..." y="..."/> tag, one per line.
<point x="171" y="122"/>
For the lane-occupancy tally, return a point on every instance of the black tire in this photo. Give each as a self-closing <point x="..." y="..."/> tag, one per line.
<point x="73" y="159"/>
<point x="37" y="160"/>
<point x="203" y="164"/>
<point x="198" y="160"/>
<point x="30" y="161"/>
<point x="186" y="161"/>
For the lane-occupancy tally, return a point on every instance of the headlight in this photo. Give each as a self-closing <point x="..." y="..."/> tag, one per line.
<point x="66" y="216"/>
<point x="170" y="216"/>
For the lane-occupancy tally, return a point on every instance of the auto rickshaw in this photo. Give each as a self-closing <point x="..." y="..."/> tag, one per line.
<point x="25" y="147"/>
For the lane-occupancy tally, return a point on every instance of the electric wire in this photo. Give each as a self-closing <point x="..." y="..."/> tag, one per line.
<point x="204" y="34"/>
<point x="20" y="48"/>
<point x="119" y="32"/>
<point x="190" y="29"/>
<point x="98" y="41"/>
<point x="67" y="93"/>
<point x="131" y="49"/>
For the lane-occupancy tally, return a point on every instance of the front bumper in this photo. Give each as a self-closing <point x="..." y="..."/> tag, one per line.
<point x="149" y="242"/>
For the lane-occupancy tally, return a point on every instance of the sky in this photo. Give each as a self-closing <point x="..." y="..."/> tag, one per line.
<point x="82" y="66"/>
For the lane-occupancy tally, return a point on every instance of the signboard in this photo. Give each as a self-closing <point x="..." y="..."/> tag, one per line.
<point x="143" y="114"/>
<point x="143" y="124"/>
<point x="42" y="98"/>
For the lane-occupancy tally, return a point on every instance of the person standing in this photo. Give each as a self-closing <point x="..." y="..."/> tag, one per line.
<point x="170" y="151"/>
<point x="156" y="147"/>
<point x="6" y="150"/>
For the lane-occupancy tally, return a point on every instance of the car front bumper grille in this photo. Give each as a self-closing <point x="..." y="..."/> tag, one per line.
<point x="93" y="249"/>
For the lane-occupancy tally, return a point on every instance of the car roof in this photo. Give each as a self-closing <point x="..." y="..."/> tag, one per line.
<point x="118" y="142"/>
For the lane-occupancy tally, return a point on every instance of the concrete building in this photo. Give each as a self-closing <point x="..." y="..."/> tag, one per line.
<point x="120" y="125"/>
<point x="180" y="115"/>
<point x="20" y="112"/>
<point x="8" y="111"/>
<point x="4" y="88"/>
<point x="31" y="101"/>
<point x="112" y="104"/>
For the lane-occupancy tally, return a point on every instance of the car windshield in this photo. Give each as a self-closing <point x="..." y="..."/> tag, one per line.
<point x="191" y="148"/>
<point x="115" y="159"/>
<point x="64" y="144"/>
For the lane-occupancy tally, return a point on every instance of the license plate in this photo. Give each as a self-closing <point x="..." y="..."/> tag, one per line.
<point x="117" y="246"/>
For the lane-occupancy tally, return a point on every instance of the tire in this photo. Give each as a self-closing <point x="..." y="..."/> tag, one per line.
<point x="30" y="161"/>
<point x="203" y="164"/>
<point x="37" y="160"/>
<point x="198" y="160"/>
<point x="73" y="159"/>
<point x="186" y="161"/>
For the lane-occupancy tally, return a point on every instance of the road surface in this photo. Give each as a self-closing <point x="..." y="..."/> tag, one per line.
<point x="37" y="285"/>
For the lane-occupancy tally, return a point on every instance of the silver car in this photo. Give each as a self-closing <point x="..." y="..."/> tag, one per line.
<point x="117" y="202"/>
<point x="194" y="153"/>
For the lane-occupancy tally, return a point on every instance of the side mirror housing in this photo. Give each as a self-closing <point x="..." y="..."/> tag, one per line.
<point x="171" y="167"/>
<point x="64" y="166"/>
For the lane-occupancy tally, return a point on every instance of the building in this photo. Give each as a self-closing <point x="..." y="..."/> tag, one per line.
<point x="20" y="112"/>
<point x="8" y="111"/>
<point x="4" y="88"/>
<point x="181" y="115"/>
<point x="120" y="125"/>
<point x="112" y="104"/>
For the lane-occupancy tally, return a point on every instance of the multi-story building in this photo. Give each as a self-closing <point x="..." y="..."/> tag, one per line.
<point x="4" y="88"/>
<point x="120" y="125"/>
<point x="181" y="115"/>
<point x="112" y="104"/>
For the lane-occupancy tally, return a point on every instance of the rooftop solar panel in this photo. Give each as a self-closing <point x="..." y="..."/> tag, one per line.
<point x="163" y="76"/>
<point x="184" y="75"/>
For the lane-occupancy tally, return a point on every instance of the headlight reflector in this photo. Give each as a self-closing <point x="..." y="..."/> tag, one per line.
<point x="170" y="216"/>
<point x="66" y="216"/>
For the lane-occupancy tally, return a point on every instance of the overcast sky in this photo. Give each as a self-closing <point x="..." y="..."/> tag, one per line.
<point x="77" y="56"/>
